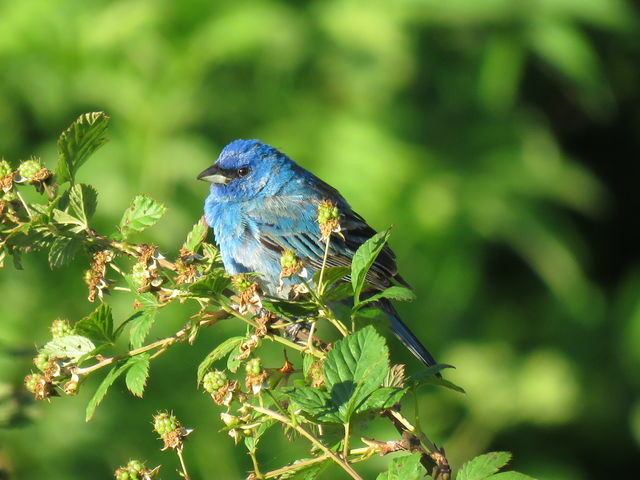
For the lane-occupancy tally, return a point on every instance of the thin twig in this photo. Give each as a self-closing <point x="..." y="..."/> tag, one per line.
<point x="282" y="419"/>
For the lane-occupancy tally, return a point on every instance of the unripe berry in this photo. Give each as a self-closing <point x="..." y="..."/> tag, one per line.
<point x="31" y="381"/>
<point x="139" y="274"/>
<point x="61" y="328"/>
<point x="214" y="381"/>
<point x="164" y="423"/>
<point x="229" y="420"/>
<point x="253" y="366"/>
<point x="5" y="168"/>
<point x="288" y="259"/>
<point x="135" y="466"/>
<point x="29" y="168"/>
<point x="122" y="474"/>
<point x="41" y="361"/>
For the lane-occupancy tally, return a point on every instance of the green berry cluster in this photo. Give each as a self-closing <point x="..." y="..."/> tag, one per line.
<point x="229" y="420"/>
<point x="5" y="168"/>
<point x="288" y="259"/>
<point x="253" y="366"/>
<point x="164" y="423"/>
<point x="327" y="211"/>
<point x="41" y="361"/>
<point x="139" y="274"/>
<point x="214" y="381"/>
<point x="133" y="471"/>
<point x="29" y="168"/>
<point x="61" y="328"/>
<point x="31" y="381"/>
<point x="241" y="282"/>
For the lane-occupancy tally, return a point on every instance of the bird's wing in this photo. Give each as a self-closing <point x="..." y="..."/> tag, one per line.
<point x="290" y="222"/>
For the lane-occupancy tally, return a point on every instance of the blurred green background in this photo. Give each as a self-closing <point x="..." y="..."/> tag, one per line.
<point x="499" y="137"/>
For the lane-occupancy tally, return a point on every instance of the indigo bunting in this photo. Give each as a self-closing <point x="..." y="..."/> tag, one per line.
<point x="262" y="204"/>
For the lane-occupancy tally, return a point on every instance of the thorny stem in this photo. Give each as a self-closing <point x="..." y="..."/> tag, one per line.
<point x="185" y="475"/>
<point x="282" y="419"/>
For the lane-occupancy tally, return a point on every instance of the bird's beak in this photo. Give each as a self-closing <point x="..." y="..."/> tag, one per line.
<point x="213" y="174"/>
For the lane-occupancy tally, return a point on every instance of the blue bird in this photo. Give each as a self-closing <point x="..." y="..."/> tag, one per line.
<point x="262" y="203"/>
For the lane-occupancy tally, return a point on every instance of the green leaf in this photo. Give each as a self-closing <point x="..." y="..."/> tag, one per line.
<point x="510" y="476"/>
<point x="290" y="309"/>
<point x="211" y="285"/>
<point x="382" y="398"/>
<point x="364" y="258"/>
<point x="100" y="393"/>
<point x="427" y="377"/>
<point x="395" y="292"/>
<point x="216" y="354"/>
<point x="83" y="200"/>
<point x="137" y="374"/>
<point x="140" y="325"/>
<point x="232" y="361"/>
<point x="64" y="218"/>
<point x="330" y="276"/>
<point x="62" y="251"/>
<point x="405" y="468"/>
<point x="315" y="403"/>
<point x="70" y="346"/>
<point x="483" y="466"/>
<point x="338" y="292"/>
<point x="354" y="368"/>
<point x="143" y="213"/>
<point x="98" y="325"/>
<point x="196" y="236"/>
<point x="78" y="142"/>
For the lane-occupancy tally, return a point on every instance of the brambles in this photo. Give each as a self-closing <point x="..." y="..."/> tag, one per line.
<point x="317" y="387"/>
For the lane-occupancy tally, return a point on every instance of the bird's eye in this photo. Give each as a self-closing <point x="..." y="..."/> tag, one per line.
<point x="242" y="171"/>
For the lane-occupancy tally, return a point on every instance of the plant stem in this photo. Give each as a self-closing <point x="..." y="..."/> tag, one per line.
<point x="182" y="464"/>
<point x="324" y="264"/>
<point x="282" y="419"/>
<point x="280" y="471"/>
<point x="345" y="443"/>
<point x="254" y="460"/>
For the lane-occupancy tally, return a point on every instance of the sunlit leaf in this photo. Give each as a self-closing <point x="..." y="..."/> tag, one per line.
<point x="78" y="142"/>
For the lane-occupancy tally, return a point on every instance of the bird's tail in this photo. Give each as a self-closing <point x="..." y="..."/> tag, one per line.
<point x="405" y="335"/>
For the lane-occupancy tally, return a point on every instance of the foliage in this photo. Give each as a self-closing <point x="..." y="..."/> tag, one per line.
<point x="350" y="381"/>
<point x="497" y="137"/>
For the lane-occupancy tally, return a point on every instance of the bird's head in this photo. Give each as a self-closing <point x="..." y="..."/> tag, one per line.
<point x="247" y="169"/>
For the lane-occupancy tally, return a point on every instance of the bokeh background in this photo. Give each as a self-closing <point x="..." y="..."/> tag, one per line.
<point x="499" y="137"/>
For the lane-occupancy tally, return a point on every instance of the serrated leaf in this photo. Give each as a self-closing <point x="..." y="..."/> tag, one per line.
<point x="70" y="346"/>
<point x="216" y="354"/>
<point x="405" y="468"/>
<point x="232" y="361"/>
<point x="137" y="374"/>
<point x="382" y="398"/>
<point x="196" y="236"/>
<point x="78" y="142"/>
<point x="364" y="258"/>
<point x="510" y="476"/>
<point x="395" y="292"/>
<point x="65" y="218"/>
<point x="83" y="200"/>
<point x="98" y="325"/>
<point x="483" y="466"/>
<point x="290" y="309"/>
<point x="315" y="403"/>
<point x="62" y="251"/>
<point x="330" y="276"/>
<point x="211" y="285"/>
<point x="310" y="467"/>
<point x="100" y="393"/>
<point x="143" y="213"/>
<point x="354" y="368"/>
<point x="140" y="325"/>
